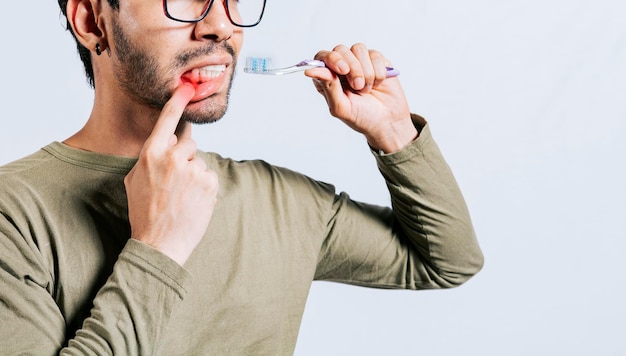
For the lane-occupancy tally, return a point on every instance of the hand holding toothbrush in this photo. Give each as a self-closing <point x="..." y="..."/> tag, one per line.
<point x="358" y="92"/>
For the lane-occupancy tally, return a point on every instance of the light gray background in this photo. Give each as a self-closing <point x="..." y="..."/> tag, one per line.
<point x="526" y="99"/>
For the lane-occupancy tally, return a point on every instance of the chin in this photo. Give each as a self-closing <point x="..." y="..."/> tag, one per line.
<point x="208" y="110"/>
<point x="203" y="116"/>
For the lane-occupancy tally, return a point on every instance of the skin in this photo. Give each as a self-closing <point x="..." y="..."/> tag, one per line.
<point x="138" y="109"/>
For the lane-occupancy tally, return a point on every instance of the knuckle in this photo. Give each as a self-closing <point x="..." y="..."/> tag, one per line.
<point x="375" y="53"/>
<point x="148" y="153"/>
<point x="376" y="56"/>
<point x="358" y="47"/>
<point x="201" y="165"/>
<point x="212" y="183"/>
<point x="188" y="145"/>
<point x="340" y="48"/>
<point x="335" y="110"/>
<point x="320" y="54"/>
<point x="171" y="155"/>
<point x="212" y="177"/>
<point x="183" y="152"/>
<point x="335" y="56"/>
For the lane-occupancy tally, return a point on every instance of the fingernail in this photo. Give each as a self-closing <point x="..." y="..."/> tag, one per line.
<point x="358" y="83"/>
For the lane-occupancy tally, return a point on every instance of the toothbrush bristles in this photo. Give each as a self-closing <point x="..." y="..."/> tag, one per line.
<point x="257" y="64"/>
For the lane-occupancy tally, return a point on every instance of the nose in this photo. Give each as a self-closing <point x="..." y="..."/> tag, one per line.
<point x="216" y="26"/>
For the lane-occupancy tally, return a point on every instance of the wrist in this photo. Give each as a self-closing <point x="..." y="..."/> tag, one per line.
<point x="176" y="251"/>
<point x="397" y="136"/>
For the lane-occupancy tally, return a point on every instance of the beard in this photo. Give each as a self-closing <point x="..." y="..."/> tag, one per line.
<point x="139" y="74"/>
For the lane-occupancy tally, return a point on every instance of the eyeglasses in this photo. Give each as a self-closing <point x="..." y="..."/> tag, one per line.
<point x="242" y="13"/>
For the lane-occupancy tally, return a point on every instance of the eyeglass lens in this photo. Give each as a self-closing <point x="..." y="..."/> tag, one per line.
<point x="241" y="12"/>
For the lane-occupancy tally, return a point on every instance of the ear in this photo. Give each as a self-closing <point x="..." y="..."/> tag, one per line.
<point x="83" y="16"/>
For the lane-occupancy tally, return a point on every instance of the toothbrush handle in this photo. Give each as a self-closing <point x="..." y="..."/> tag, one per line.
<point x="391" y="72"/>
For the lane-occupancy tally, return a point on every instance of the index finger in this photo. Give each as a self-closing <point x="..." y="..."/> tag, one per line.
<point x="334" y="61"/>
<point x="167" y="122"/>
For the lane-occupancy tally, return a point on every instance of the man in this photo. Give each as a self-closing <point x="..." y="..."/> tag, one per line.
<point x="125" y="239"/>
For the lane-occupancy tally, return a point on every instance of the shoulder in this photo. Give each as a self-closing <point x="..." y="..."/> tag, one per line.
<point x="23" y="164"/>
<point x="260" y="177"/>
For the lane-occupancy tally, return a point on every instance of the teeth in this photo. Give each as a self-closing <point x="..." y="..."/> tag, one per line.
<point x="212" y="71"/>
<point x="201" y="75"/>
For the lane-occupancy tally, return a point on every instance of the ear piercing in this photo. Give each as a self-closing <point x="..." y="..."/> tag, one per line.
<point x="98" y="50"/>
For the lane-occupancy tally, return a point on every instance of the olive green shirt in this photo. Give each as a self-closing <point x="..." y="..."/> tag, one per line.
<point x="72" y="282"/>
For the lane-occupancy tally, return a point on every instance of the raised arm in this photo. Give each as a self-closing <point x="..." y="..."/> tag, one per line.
<point x="426" y="240"/>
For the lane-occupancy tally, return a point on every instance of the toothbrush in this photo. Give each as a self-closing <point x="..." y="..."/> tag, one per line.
<point x="261" y="65"/>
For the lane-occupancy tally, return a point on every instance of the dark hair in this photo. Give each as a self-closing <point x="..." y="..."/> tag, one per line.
<point x="84" y="53"/>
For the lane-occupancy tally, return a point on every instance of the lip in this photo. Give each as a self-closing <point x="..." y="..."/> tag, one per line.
<point x="209" y="85"/>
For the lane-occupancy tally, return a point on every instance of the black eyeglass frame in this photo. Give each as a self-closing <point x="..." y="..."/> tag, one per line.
<point x="206" y="12"/>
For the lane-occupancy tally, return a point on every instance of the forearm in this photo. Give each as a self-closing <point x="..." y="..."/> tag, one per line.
<point x="430" y="210"/>
<point x="132" y="309"/>
<point x="127" y="316"/>
<point x="426" y="241"/>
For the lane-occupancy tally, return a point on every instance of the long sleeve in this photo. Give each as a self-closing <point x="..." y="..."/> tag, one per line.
<point x="425" y="241"/>
<point x="132" y="310"/>
<point x="128" y="315"/>
<point x="71" y="281"/>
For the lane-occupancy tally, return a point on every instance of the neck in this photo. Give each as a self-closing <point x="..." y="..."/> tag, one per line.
<point x="116" y="126"/>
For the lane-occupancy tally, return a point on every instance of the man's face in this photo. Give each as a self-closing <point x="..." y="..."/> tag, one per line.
<point x="154" y="55"/>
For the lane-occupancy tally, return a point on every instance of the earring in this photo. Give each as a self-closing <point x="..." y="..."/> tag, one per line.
<point x="98" y="50"/>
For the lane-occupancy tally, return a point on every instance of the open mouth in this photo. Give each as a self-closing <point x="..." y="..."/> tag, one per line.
<point x="207" y="80"/>
<point x="198" y="76"/>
